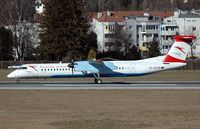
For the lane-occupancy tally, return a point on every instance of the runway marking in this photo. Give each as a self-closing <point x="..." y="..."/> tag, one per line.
<point x="107" y="85"/>
<point x="91" y="86"/>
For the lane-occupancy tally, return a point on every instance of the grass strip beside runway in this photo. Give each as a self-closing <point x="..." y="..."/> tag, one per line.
<point x="105" y="109"/>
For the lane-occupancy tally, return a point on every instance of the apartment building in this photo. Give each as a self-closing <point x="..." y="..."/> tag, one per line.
<point x="141" y="26"/>
<point x="104" y="25"/>
<point x="166" y="32"/>
<point x="182" y="23"/>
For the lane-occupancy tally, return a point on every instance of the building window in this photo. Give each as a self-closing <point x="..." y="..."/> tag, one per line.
<point x="143" y="28"/>
<point x="111" y="27"/>
<point x="106" y="27"/>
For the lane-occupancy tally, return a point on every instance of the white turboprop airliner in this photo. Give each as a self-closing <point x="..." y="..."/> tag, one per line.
<point x="175" y="58"/>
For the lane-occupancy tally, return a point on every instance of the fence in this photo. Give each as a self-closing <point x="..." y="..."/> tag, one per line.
<point x="191" y="65"/>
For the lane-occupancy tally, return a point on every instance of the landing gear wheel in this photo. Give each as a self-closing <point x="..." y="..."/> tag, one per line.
<point x="17" y="81"/>
<point x="98" y="81"/>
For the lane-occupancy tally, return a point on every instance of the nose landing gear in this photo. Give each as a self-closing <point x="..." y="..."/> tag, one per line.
<point x="17" y="81"/>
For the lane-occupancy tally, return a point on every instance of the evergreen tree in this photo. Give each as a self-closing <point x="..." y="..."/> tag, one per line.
<point x="154" y="48"/>
<point x="65" y="30"/>
<point x="6" y="44"/>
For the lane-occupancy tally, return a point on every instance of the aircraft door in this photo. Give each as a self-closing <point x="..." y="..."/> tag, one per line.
<point x="34" y="71"/>
<point x="140" y="68"/>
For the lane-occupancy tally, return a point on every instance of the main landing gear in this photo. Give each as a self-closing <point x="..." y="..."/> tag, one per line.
<point x="97" y="79"/>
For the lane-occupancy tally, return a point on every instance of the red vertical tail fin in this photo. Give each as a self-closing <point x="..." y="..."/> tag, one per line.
<point x="179" y="49"/>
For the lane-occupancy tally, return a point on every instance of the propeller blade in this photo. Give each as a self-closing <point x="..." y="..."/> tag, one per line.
<point x="71" y="65"/>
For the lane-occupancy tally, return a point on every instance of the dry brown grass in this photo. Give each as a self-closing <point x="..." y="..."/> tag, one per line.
<point x="102" y="109"/>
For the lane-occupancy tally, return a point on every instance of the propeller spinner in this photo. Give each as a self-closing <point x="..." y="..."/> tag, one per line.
<point x="71" y="65"/>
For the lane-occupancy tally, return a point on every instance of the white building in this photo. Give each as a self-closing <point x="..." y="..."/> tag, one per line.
<point x="104" y="25"/>
<point x="143" y="29"/>
<point x="182" y="23"/>
<point x="39" y="6"/>
<point x="167" y="31"/>
<point x="141" y="26"/>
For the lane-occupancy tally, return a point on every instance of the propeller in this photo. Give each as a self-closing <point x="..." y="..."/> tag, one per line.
<point x="71" y="65"/>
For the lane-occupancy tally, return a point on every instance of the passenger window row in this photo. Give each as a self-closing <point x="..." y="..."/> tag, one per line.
<point x="122" y="68"/>
<point x="66" y="69"/>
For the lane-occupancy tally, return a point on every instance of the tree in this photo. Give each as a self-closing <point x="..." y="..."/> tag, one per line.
<point x="121" y="40"/>
<point x="196" y="32"/>
<point x="91" y="42"/>
<point x="102" y="5"/>
<point x="17" y="15"/>
<point x="121" y="45"/>
<point x="6" y="44"/>
<point x="154" y="48"/>
<point x="64" y="30"/>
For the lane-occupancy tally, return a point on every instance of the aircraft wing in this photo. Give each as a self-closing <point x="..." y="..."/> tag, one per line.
<point x="94" y="66"/>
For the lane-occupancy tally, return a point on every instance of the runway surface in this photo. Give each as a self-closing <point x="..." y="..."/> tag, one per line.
<point x="90" y="86"/>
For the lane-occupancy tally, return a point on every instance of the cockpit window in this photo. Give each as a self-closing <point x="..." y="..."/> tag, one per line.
<point x="23" y="68"/>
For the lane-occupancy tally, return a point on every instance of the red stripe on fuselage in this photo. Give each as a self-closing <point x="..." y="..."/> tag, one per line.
<point x="169" y="58"/>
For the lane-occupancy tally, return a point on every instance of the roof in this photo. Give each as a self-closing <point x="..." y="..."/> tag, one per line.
<point x="111" y="17"/>
<point x="118" y="16"/>
<point x="189" y="15"/>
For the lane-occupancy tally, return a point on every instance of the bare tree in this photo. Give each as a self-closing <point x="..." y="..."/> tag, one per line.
<point x="120" y="41"/>
<point x="17" y="15"/>
<point x="196" y="32"/>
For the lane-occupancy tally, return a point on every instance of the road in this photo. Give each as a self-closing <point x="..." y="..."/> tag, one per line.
<point x="37" y="85"/>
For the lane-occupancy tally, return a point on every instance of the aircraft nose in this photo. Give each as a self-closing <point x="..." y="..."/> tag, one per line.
<point x="11" y="75"/>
